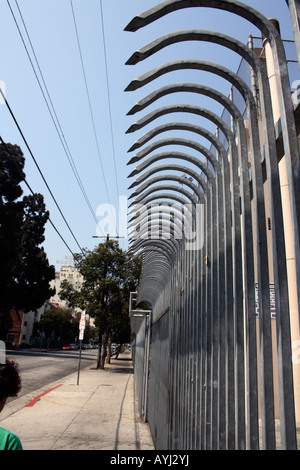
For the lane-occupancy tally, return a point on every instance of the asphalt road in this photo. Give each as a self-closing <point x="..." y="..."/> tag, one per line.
<point x="39" y="368"/>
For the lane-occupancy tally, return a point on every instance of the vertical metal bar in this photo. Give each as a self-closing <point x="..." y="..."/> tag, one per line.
<point x="183" y="355"/>
<point x="185" y="368"/>
<point x="204" y="333"/>
<point x="215" y="318"/>
<point x="190" y="352"/>
<point x="146" y="366"/>
<point x="223" y="280"/>
<point x="294" y="6"/>
<point x="195" y="329"/>
<point x="249" y="325"/>
<point x="208" y="314"/>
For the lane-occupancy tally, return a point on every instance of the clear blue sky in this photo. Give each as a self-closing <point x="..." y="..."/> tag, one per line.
<point x="100" y="159"/>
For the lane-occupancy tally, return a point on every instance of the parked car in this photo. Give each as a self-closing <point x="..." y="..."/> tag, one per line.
<point x="70" y="346"/>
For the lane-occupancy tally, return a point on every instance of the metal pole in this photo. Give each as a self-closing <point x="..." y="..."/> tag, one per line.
<point x="294" y="6"/>
<point x="79" y="362"/>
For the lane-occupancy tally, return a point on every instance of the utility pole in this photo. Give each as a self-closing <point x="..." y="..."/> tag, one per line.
<point x="107" y="236"/>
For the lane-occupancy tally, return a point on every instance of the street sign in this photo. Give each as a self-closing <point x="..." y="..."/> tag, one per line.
<point x="82" y="321"/>
<point x="81" y="334"/>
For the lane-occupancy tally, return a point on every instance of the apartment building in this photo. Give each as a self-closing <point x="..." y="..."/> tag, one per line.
<point x="67" y="273"/>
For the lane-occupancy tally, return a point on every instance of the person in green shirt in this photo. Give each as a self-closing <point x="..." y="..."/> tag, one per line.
<point x="9" y="441"/>
<point x="10" y="385"/>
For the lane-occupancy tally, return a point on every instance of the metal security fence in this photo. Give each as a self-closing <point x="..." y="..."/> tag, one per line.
<point x="157" y="412"/>
<point x="218" y="229"/>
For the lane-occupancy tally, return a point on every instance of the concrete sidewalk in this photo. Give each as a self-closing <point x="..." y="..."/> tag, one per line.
<point x="98" y="414"/>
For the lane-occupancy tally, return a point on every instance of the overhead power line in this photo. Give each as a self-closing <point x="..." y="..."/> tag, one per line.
<point x="57" y="123"/>
<point x="32" y="192"/>
<point x="37" y="165"/>
<point x="109" y="100"/>
<point x="88" y="97"/>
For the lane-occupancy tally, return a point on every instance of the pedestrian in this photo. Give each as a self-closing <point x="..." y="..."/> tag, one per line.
<point x="10" y="385"/>
<point x="118" y="348"/>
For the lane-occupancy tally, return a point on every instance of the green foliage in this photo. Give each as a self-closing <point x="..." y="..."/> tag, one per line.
<point x="24" y="270"/>
<point x="58" y="324"/>
<point x="11" y="172"/>
<point x="109" y="276"/>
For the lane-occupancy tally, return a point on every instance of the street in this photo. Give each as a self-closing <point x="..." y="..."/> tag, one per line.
<point x="39" y="368"/>
<point x="98" y="414"/>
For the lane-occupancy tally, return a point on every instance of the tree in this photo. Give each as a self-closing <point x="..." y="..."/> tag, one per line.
<point x="24" y="270"/>
<point x="11" y="174"/>
<point x="57" y="324"/>
<point x="109" y="275"/>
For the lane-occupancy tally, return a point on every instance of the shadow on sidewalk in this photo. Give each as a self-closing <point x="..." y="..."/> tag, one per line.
<point x="121" y="365"/>
<point x="121" y="370"/>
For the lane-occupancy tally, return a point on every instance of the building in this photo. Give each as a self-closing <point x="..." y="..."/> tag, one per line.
<point x="67" y="273"/>
<point x="19" y="325"/>
<point x="29" y="319"/>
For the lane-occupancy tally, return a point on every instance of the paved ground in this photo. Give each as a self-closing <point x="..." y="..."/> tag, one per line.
<point x="98" y="414"/>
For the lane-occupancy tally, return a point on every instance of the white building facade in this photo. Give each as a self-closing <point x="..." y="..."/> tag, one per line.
<point x="67" y="273"/>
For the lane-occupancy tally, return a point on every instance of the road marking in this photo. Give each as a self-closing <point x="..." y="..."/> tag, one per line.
<point x="33" y="402"/>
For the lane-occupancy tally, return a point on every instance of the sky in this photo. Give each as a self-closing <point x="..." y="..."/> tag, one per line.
<point x="62" y="68"/>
